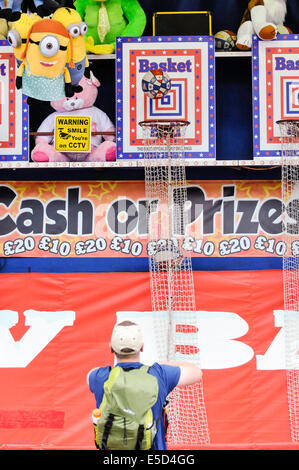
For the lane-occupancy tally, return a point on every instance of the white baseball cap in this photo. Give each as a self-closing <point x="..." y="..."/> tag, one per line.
<point x="126" y="338"/>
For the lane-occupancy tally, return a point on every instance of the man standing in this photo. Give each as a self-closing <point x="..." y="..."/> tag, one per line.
<point x="127" y="344"/>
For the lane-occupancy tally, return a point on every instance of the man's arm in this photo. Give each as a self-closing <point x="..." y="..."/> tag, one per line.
<point x="190" y="373"/>
<point x="87" y="378"/>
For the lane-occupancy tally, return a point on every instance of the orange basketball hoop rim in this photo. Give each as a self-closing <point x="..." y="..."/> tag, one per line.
<point x="165" y="127"/>
<point x="289" y="129"/>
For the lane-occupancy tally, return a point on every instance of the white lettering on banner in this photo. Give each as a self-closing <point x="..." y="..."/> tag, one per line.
<point x="219" y="348"/>
<point x="218" y="331"/>
<point x="275" y="356"/>
<point x="44" y="326"/>
<point x="218" y="338"/>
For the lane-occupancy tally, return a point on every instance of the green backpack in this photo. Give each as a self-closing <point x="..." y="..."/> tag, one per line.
<point x="126" y="420"/>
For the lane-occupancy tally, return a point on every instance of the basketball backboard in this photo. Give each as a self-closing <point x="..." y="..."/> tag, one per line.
<point x="189" y="62"/>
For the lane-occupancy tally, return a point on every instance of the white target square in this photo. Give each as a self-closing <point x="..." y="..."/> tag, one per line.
<point x="172" y="105"/>
<point x="295" y="98"/>
<point x="290" y="92"/>
<point x="189" y="64"/>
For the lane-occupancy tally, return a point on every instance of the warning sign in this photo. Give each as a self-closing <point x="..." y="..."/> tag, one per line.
<point x="72" y="133"/>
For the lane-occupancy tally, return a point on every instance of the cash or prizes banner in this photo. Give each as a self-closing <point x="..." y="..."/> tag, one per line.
<point x="109" y="219"/>
<point x="275" y="75"/>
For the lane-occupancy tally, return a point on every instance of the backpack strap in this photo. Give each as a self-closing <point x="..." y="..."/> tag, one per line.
<point x="140" y="435"/>
<point x="127" y="369"/>
<point x="163" y="410"/>
<point x="107" y="429"/>
<point x="163" y="413"/>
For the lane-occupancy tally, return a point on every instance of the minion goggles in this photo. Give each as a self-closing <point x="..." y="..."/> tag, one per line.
<point x="48" y="46"/>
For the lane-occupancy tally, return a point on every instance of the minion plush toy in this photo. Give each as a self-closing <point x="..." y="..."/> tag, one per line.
<point x="71" y="19"/>
<point x="43" y="74"/>
<point x="17" y="35"/>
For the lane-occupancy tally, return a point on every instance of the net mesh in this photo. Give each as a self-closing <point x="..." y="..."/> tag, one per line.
<point x="172" y="288"/>
<point x="289" y="131"/>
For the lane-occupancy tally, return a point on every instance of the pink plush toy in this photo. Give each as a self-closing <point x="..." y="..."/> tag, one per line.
<point x="81" y="104"/>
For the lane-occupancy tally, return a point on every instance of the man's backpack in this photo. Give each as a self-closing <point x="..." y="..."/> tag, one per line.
<point x="126" y="420"/>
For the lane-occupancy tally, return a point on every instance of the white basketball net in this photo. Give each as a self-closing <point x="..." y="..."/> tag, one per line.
<point x="172" y="289"/>
<point x="289" y="131"/>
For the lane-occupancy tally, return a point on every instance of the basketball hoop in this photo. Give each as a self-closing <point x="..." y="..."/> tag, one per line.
<point x="170" y="266"/>
<point x="293" y="123"/>
<point x="157" y="129"/>
<point x="166" y="125"/>
<point x="289" y="131"/>
<point x="167" y="258"/>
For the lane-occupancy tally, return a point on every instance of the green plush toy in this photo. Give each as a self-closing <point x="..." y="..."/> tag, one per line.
<point x="108" y="19"/>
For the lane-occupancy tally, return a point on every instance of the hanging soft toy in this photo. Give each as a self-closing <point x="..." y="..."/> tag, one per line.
<point x="261" y="18"/>
<point x="107" y="19"/>
<point x="43" y="74"/>
<point x="81" y="104"/>
<point x="17" y="35"/>
<point x="11" y="9"/>
<point x="71" y="19"/>
<point x="3" y="28"/>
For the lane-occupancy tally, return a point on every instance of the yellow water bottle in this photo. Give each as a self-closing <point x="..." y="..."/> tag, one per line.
<point x="96" y="416"/>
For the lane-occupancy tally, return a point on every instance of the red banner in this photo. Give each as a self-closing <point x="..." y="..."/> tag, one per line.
<point x="58" y="327"/>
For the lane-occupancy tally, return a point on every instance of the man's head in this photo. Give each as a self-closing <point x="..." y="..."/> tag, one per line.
<point x="126" y="339"/>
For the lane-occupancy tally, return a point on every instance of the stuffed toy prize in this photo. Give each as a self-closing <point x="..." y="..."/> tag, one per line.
<point x="17" y="35"/>
<point x="3" y="28"/>
<point x="43" y="74"/>
<point x="261" y="18"/>
<point x="81" y="104"/>
<point x="11" y="9"/>
<point x="107" y="19"/>
<point x="71" y="19"/>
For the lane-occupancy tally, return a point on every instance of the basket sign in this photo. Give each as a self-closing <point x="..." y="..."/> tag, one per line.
<point x="275" y="66"/>
<point x="187" y="91"/>
<point x="72" y="133"/>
